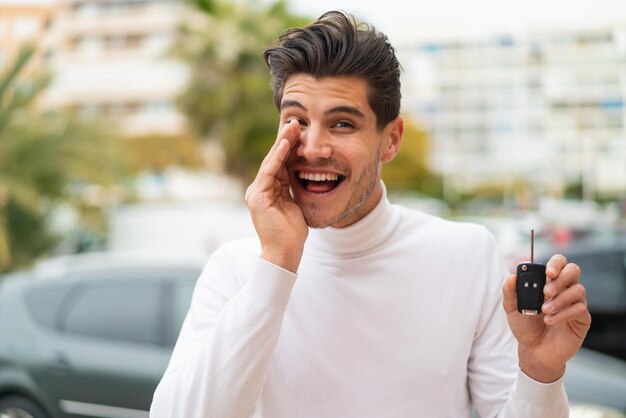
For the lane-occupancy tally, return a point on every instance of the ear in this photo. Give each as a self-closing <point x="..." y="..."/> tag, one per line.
<point x="392" y="137"/>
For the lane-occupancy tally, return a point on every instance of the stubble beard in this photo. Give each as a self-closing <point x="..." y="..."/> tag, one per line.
<point x="362" y="189"/>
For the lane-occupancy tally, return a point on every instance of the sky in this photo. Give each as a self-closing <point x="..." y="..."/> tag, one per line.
<point x="406" y="19"/>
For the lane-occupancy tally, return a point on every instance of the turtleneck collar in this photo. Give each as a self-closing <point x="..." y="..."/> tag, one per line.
<point x="354" y="240"/>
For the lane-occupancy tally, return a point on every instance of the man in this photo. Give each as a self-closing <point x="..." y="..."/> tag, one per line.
<point x="346" y="305"/>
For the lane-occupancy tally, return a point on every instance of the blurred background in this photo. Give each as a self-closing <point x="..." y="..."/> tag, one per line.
<point x="133" y="127"/>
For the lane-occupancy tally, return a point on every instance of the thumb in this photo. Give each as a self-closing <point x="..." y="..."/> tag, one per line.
<point x="509" y="294"/>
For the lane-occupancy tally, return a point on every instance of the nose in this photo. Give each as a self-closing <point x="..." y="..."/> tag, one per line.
<point x="314" y="144"/>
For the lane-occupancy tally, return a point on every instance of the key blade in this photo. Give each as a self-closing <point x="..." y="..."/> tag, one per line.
<point x="532" y="245"/>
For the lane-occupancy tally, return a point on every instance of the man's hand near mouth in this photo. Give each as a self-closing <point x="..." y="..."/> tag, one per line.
<point x="278" y="220"/>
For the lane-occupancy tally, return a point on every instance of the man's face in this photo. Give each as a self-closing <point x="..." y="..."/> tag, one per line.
<point x="334" y="169"/>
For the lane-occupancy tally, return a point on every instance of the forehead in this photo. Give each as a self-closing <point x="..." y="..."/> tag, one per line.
<point x="327" y="91"/>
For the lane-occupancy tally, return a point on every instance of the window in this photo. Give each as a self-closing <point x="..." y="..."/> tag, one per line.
<point x="44" y="302"/>
<point x="87" y="10"/>
<point x="604" y="279"/>
<point x="88" y="46"/>
<point x="181" y="293"/>
<point x="158" y="43"/>
<point x="117" y="311"/>
<point x="115" y="42"/>
<point x="25" y="28"/>
<point x="133" y="41"/>
<point x="182" y="300"/>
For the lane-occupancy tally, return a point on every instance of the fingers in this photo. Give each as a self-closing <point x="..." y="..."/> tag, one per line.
<point x="275" y="158"/>
<point x="577" y="312"/>
<point x="564" y="300"/>
<point x="568" y="276"/>
<point x="289" y="132"/>
<point x="266" y="177"/>
<point x="555" y="265"/>
<point x="268" y="173"/>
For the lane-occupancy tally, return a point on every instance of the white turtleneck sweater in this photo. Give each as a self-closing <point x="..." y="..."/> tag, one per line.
<point x="398" y="315"/>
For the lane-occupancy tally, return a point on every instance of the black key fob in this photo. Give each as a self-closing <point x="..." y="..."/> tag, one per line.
<point x="531" y="278"/>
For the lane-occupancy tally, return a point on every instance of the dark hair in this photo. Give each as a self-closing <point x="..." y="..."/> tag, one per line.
<point x="336" y="45"/>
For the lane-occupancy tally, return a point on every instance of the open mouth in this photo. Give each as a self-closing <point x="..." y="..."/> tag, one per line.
<point x="319" y="182"/>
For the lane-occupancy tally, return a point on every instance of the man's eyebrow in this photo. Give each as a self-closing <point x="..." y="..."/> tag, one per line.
<point x="337" y="109"/>
<point x="346" y="109"/>
<point x="291" y="103"/>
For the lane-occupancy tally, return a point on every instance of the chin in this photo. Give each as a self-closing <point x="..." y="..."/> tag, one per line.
<point x="314" y="217"/>
<point x="317" y="222"/>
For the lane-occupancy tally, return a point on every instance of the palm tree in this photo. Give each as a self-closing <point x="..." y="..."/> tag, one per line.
<point x="44" y="159"/>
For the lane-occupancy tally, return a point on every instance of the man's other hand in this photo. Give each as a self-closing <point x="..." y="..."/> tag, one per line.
<point x="547" y="341"/>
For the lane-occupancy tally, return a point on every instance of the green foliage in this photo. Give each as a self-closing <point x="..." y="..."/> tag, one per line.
<point x="28" y="234"/>
<point x="409" y="170"/>
<point x="229" y="96"/>
<point x="574" y="189"/>
<point x="207" y="6"/>
<point x="157" y="152"/>
<point x="16" y="94"/>
<point x="45" y="160"/>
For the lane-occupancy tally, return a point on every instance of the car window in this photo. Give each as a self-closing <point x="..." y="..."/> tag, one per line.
<point x="116" y="311"/>
<point x="44" y="302"/>
<point x="177" y="305"/>
<point x="603" y="275"/>
<point x="182" y="300"/>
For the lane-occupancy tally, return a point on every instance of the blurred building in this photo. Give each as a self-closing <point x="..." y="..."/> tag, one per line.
<point x="112" y="58"/>
<point x="107" y="57"/>
<point x="23" y="23"/>
<point x="545" y="107"/>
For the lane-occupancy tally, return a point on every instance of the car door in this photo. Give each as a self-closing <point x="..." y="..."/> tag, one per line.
<point x="604" y="277"/>
<point x="110" y="353"/>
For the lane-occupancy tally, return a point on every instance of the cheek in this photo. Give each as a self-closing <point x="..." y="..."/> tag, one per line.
<point x="359" y="156"/>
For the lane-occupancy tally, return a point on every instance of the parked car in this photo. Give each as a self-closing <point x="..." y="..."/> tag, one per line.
<point x="89" y="336"/>
<point x="602" y="260"/>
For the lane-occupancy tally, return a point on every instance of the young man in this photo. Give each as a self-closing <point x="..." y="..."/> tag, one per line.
<point x="346" y="305"/>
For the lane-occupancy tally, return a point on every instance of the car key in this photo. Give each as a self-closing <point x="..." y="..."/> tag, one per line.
<point x="531" y="278"/>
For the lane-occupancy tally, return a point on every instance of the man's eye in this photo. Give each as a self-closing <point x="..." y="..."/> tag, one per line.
<point x="344" y="124"/>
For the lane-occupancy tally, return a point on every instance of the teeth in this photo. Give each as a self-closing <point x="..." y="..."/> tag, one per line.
<point x="318" y="176"/>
